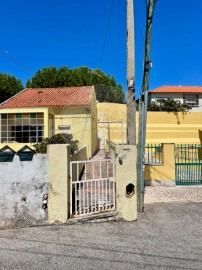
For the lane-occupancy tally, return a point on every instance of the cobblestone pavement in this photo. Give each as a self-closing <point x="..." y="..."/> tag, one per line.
<point x="173" y="194"/>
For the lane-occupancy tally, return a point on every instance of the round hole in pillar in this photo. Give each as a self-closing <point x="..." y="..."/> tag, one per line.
<point x="130" y="190"/>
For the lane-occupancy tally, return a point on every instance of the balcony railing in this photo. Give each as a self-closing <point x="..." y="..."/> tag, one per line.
<point x="192" y="103"/>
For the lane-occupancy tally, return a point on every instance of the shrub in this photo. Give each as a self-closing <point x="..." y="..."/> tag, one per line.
<point x="168" y="105"/>
<point x="60" y="138"/>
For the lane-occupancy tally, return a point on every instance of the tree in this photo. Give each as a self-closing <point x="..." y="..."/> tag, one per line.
<point x="106" y="88"/>
<point x="60" y="138"/>
<point x="168" y="105"/>
<point x="105" y="93"/>
<point x="9" y="86"/>
<point x="44" y="78"/>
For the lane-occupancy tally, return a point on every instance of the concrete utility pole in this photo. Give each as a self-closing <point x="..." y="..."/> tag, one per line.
<point x="131" y="109"/>
<point x="143" y="106"/>
<point x="147" y="62"/>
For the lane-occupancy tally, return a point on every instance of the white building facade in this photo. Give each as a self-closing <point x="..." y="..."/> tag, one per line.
<point x="190" y="95"/>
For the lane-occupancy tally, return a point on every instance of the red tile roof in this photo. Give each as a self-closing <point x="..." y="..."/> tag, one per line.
<point x="177" y="89"/>
<point x="50" y="97"/>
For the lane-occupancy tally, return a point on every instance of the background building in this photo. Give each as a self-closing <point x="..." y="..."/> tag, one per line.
<point x="190" y="95"/>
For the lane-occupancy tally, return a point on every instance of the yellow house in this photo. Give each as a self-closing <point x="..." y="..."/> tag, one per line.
<point x="37" y="113"/>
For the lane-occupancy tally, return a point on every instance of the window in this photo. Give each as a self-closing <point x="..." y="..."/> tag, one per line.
<point x="191" y="99"/>
<point x="22" y="127"/>
<point x="64" y="129"/>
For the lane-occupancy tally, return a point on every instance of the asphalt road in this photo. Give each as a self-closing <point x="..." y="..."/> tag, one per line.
<point x="166" y="236"/>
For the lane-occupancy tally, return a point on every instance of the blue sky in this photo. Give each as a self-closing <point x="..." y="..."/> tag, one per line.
<point x="71" y="33"/>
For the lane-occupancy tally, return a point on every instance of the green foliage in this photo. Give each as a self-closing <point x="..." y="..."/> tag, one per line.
<point x="106" y="87"/>
<point x="28" y="85"/>
<point x="9" y="86"/>
<point x="105" y="93"/>
<point x="44" y="78"/>
<point x="168" y="105"/>
<point x="61" y="138"/>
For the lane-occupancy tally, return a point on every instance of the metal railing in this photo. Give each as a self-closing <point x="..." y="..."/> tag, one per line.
<point x="188" y="164"/>
<point x="189" y="174"/>
<point x="192" y="103"/>
<point x="154" y="154"/>
<point x="92" y="190"/>
<point x="188" y="153"/>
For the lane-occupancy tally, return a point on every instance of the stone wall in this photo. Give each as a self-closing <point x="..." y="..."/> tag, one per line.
<point x="23" y="187"/>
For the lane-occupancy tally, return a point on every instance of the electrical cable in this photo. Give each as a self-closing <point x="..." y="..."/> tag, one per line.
<point x="106" y="32"/>
<point x="16" y="61"/>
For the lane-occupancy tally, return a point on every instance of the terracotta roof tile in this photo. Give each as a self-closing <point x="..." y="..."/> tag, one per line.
<point x="177" y="89"/>
<point x="50" y="97"/>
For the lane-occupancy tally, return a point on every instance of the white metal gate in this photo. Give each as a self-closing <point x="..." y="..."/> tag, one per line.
<point x="92" y="187"/>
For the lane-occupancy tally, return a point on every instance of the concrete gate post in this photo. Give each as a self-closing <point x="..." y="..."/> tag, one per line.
<point x="58" y="184"/>
<point x="126" y="182"/>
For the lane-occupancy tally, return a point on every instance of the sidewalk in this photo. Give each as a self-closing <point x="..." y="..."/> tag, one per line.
<point x="173" y="194"/>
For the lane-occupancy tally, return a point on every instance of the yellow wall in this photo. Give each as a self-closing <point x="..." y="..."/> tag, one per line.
<point x="82" y="121"/>
<point x="167" y="170"/>
<point x="79" y="120"/>
<point x="179" y="128"/>
<point x="111" y="112"/>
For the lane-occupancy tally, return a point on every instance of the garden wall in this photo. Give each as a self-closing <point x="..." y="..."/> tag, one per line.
<point x="23" y="187"/>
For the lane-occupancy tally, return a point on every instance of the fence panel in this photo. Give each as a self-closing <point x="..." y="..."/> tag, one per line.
<point x="154" y="154"/>
<point x="188" y="164"/>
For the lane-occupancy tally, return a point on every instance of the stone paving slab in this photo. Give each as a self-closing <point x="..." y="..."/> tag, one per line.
<point x="173" y="194"/>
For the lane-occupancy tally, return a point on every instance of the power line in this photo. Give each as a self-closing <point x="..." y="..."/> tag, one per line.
<point x="16" y="61"/>
<point x="106" y="32"/>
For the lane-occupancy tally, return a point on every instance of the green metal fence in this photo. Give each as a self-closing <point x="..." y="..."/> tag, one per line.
<point x="188" y="164"/>
<point x="154" y="154"/>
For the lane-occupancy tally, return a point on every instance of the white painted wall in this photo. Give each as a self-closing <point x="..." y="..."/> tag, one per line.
<point x="177" y="96"/>
<point x="23" y="185"/>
